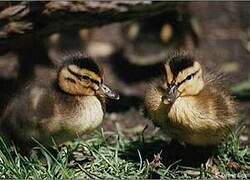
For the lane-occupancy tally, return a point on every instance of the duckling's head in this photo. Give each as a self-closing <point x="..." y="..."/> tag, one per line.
<point x="183" y="77"/>
<point x="80" y="75"/>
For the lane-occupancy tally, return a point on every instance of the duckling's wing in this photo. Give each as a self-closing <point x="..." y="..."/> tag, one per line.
<point x="21" y="118"/>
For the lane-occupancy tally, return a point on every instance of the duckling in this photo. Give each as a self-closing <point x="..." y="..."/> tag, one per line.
<point x="59" y="105"/>
<point x="148" y="40"/>
<point x="191" y="105"/>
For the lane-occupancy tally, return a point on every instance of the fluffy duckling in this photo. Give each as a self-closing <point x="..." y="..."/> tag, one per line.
<point x="190" y="104"/>
<point x="61" y="105"/>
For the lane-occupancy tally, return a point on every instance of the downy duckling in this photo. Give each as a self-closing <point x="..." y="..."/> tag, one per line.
<point x="61" y="105"/>
<point x="191" y="105"/>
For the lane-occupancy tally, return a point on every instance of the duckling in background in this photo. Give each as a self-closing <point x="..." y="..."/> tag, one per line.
<point x="149" y="40"/>
<point x="59" y="105"/>
<point x="190" y="104"/>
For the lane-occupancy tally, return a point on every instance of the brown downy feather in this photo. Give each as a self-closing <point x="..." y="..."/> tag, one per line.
<point x="202" y="119"/>
<point x="42" y="110"/>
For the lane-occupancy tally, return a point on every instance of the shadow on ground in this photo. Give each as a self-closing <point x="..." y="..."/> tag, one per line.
<point x="124" y="104"/>
<point x="170" y="152"/>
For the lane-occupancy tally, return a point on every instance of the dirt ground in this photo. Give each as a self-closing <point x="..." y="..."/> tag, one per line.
<point x="218" y="31"/>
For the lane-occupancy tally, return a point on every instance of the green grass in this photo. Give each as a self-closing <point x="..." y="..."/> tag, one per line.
<point x="112" y="155"/>
<point x="241" y="89"/>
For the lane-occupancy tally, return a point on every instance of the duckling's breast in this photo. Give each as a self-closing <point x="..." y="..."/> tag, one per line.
<point x="189" y="113"/>
<point x="83" y="116"/>
<point x="87" y="116"/>
<point x="189" y="121"/>
<point x="195" y="123"/>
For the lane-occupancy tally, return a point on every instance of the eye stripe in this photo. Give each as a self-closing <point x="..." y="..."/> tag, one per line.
<point x="94" y="81"/>
<point x="85" y="77"/>
<point x="193" y="74"/>
<point x="75" y="74"/>
<point x="70" y="79"/>
<point x="80" y="77"/>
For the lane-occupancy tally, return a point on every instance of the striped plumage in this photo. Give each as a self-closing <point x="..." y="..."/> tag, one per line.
<point x="191" y="105"/>
<point x="60" y="105"/>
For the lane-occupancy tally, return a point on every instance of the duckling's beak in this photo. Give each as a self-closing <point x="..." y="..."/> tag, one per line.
<point x="108" y="92"/>
<point x="171" y="95"/>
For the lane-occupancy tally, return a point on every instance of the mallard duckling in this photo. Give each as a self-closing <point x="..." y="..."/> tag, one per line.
<point x="148" y="40"/>
<point x="191" y="105"/>
<point x="61" y="105"/>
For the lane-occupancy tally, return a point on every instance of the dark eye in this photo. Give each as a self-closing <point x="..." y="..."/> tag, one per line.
<point x="85" y="78"/>
<point x="189" y="77"/>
